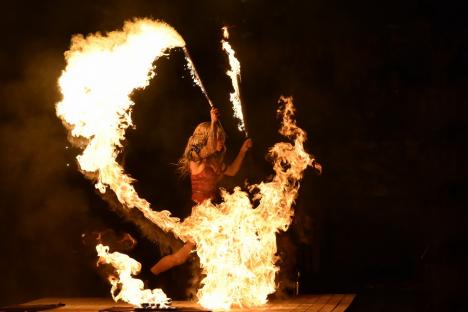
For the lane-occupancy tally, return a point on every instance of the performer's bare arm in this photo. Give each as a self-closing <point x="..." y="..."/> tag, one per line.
<point x="234" y="167"/>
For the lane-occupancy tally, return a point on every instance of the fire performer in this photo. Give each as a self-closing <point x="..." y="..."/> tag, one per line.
<point x="203" y="160"/>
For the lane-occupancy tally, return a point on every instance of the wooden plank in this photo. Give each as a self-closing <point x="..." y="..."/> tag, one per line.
<point x="309" y="303"/>
<point x="332" y="303"/>
<point x="296" y="304"/>
<point x="305" y="302"/>
<point x="344" y="303"/>
<point x="81" y="304"/>
<point x="315" y="305"/>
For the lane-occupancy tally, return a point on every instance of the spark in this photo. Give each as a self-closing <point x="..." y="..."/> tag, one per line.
<point x="234" y="74"/>
<point x="195" y="76"/>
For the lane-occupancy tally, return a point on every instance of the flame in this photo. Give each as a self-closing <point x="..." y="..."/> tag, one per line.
<point x="234" y="74"/>
<point x="101" y="73"/>
<point x="225" y="32"/>
<point x="236" y="240"/>
<point x="195" y="77"/>
<point x="127" y="288"/>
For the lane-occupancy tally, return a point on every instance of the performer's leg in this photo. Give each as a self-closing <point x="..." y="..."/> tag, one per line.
<point x="177" y="258"/>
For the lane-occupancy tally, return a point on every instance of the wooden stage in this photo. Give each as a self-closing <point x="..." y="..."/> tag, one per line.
<point x="309" y="303"/>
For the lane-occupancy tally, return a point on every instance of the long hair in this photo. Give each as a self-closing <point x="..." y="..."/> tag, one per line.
<point x="195" y="144"/>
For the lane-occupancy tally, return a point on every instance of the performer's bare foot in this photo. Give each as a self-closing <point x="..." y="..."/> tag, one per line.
<point x="177" y="258"/>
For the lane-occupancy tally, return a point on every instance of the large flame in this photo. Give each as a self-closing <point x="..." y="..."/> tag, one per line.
<point x="101" y="73"/>
<point x="236" y="240"/>
<point x="234" y="74"/>
<point x="124" y="286"/>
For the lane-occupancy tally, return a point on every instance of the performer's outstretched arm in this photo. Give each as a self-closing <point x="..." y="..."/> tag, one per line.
<point x="234" y="167"/>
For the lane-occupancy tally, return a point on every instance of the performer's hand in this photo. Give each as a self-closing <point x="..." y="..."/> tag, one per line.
<point x="246" y="145"/>
<point x="214" y="114"/>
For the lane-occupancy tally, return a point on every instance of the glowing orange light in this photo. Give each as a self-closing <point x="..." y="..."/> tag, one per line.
<point x="236" y="239"/>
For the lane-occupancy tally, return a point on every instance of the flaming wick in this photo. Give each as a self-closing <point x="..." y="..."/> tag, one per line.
<point x="234" y="74"/>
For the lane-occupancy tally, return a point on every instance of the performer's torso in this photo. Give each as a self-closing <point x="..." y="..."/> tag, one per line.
<point x="204" y="184"/>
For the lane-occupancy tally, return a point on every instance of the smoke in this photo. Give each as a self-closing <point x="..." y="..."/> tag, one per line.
<point x="46" y="204"/>
<point x="41" y="201"/>
<point x="166" y="242"/>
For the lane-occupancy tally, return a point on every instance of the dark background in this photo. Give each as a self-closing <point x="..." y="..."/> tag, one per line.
<point x="378" y="85"/>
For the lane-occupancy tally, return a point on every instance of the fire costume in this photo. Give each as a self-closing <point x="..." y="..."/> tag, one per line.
<point x="204" y="184"/>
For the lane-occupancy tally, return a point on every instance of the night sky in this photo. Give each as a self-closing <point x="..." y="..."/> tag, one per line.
<point x="379" y="87"/>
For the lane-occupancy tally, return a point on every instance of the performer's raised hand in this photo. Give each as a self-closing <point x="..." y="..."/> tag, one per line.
<point x="246" y="145"/>
<point x="214" y="113"/>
